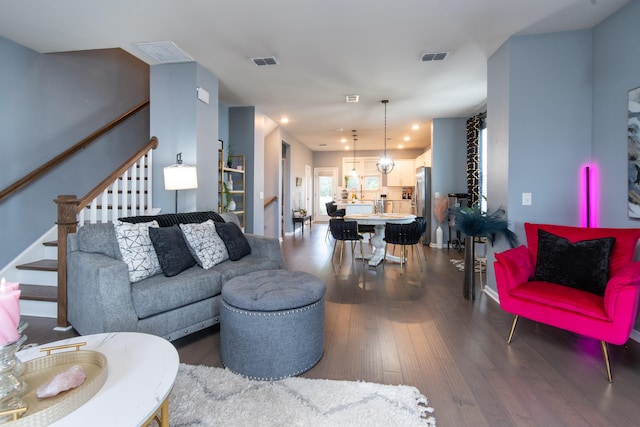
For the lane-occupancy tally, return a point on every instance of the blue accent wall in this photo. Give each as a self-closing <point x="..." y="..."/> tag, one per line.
<point x="48" y="103"/>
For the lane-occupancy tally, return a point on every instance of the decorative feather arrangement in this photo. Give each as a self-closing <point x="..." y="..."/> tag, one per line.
<point x="441" y="209"/>
<point x="473" y="222"/>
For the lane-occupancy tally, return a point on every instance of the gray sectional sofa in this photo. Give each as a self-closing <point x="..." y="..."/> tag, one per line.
<point x="101" y="297"/>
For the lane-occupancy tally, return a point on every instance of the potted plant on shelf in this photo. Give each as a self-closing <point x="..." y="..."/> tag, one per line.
<point x="230" y="205"/>
<point x="300" y="213"/>
<point x="229" y="155"/>
<point x="477" y="224"/>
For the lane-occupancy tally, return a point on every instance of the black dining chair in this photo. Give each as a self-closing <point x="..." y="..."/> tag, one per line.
<point x="403" y="235"/>
<point x="334" y="213"/>
<point x="345" y="231"/>
<point x="423" y="225"/>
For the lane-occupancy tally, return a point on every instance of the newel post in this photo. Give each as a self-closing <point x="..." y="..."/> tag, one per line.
<point x="67" y="223"/>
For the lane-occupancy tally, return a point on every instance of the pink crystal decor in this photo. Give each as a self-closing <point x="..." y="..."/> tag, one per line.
<point x="71" y="378"/>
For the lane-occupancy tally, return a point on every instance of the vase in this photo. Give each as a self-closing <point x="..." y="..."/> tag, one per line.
<point x="12" y="387"/>
<point x="231" y="206"/>
<point x="439" y="237"/>
<point x="469" y="284"/>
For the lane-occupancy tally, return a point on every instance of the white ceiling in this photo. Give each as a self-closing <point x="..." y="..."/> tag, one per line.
<point x="326" y="49"/>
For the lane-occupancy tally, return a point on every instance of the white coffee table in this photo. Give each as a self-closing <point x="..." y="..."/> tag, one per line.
<point x="141" y="370"/>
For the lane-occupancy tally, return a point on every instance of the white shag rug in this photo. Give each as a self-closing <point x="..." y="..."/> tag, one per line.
<point x="205" y="396"/>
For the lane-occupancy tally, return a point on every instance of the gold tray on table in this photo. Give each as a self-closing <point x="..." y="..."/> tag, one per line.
<point x="37" y="372"/>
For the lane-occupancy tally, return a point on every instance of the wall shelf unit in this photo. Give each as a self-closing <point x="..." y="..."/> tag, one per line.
<point x="231" y="174"/>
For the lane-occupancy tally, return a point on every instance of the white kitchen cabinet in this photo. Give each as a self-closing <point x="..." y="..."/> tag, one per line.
<point x="403" y="174"/>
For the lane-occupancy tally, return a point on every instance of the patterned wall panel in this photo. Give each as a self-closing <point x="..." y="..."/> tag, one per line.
<point x="473" y="170"/>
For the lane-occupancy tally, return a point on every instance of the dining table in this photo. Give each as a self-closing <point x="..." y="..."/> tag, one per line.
<point x="377" y="240"/>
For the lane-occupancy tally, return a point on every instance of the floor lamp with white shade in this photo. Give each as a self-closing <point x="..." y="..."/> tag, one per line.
<point x="180" y="177"/>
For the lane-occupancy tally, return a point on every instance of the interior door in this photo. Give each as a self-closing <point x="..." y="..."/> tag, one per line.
<point x="325" y="190"/>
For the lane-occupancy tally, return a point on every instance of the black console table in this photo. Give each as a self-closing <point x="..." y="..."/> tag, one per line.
<point x="302" y="220"/>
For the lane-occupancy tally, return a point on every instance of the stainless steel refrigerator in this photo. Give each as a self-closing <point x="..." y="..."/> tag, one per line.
<point x="422" y="197"/>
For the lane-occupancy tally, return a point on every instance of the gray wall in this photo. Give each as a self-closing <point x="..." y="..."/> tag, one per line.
<point x="539" y="121"/>
<point x="616" y="70"/>
<point x="299" y="156"/>
<point x="555" y="102"/>
<point x="273" y="182"/>
<point x="448" y="163"/>
<point x="247" y="136"/>
<point x="183" y="124"/>
<point x="48" y="103"/>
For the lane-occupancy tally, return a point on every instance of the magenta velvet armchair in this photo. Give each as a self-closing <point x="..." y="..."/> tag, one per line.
<point x="607" y="314"/>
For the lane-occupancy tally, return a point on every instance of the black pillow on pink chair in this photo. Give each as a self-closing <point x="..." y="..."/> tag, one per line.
<point x="582" y="265"/>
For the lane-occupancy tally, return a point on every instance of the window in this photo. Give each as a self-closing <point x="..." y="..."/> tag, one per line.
<point x="368" y="175"/>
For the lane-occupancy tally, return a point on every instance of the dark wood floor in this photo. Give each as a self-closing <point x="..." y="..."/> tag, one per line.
<point x="417" y="329"/>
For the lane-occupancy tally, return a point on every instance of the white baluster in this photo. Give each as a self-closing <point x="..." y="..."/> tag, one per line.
<point x="114" y="201"/>
<point x="105" y="206"/>
<point x="93" y="211"/>
<point x="123" y="198"/>
<point x="134" y="188"/>
<point x="149" y="181"/>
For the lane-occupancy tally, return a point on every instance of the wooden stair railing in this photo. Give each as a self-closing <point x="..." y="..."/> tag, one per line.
<point x="270" y="201"/>
<point x="36" y="173"/>
<point x="70" y="207"/>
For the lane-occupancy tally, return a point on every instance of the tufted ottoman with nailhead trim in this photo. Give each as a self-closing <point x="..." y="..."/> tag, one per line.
<point x="272" y="323"/>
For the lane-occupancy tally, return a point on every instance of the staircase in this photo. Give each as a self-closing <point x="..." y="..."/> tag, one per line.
<point x="36" y="269"/>
<point x="126" y="192"/>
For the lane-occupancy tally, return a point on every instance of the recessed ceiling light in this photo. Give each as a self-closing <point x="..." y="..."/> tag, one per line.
<point x="352" y="98"/>
<point x="407" y="138"/>
<point x="415" y="127"/>
<point x="400" y="146"/>
<point x="346" y="147"/>
<point x="343" y="140"/>
<point x="284" y="120"/>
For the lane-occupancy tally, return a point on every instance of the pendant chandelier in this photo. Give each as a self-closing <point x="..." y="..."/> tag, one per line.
<point x="354" y="172"/>
<point x="385" y="164"/>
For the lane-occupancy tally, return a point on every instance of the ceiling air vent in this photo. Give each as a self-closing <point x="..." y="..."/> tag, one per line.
<point x="268" y="60"/>
<point x="429" y="57"/>
<point x="352" y="98"/>
<point x="164" y="52"/>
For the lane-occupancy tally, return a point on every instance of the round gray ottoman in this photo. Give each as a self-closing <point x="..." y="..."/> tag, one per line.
<point x="272" y="323"/>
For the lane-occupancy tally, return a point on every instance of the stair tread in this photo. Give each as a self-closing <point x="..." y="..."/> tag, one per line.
<point x="38" y="292"/>
<point x="41" y="265"/>
<point x="50" y="243"/>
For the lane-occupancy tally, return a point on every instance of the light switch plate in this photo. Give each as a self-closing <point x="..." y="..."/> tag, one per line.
<point x="526" y="199"/>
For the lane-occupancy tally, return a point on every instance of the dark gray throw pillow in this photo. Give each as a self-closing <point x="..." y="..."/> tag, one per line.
<point x="582" y="265"/>
<point x="172" y="250"/>
<point x="234" y="239"/>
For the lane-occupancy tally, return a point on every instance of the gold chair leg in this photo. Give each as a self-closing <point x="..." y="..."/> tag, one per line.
<point x="605" y="353"/>
<point x="341" y="252"/>
<point x="513" y="328"/>
<point x="418" y="252"/>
